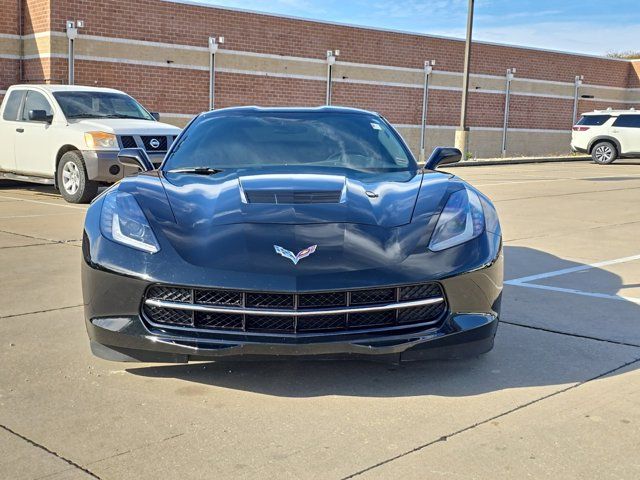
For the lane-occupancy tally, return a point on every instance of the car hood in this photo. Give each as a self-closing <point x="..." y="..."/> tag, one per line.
<point x="211" y="224"/>
<point x="247" y="196"/>
<point x="126" y="126"/>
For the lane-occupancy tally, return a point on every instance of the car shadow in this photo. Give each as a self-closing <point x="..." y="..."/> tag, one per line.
<point x="522" y="357"/>
<point x="36" y="188"/>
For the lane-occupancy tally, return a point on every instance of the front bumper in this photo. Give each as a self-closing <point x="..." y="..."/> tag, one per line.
<point x="103" y="166"/>
<point x="119" y="332"/>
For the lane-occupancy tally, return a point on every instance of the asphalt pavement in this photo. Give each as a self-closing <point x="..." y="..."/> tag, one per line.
<point x="558" y="397"/>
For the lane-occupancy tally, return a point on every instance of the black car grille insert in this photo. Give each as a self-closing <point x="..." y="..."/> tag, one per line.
<point x="289" y="313"/>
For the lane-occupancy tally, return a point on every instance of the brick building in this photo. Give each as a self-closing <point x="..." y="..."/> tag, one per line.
<point x="163" y="61"/>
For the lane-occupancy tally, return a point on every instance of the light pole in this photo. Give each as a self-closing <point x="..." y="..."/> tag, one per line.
<point x="461" y="133"/>
<point x="331" y="61"/>
<point x="72" y="34"/>
<point x="213" y="49"/>
<point x="510" y="73"/>
<point x="428" y="68"/>
<point x="576" y="91"/>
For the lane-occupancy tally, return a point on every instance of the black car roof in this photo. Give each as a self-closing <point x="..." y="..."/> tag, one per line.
<point x="320" y="109"/>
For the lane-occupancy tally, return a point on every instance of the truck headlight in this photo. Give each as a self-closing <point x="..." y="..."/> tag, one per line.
<point x="101" y="140"/>
<point x="123" y="221"/>
<point x="461" y="220"/>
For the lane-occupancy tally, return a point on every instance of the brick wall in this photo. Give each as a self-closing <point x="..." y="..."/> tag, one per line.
<point x="192" y="25"/>
<point x="185" y="90"/>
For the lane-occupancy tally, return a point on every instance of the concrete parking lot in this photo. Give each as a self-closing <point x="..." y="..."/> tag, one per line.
<point x="558" y="397"/>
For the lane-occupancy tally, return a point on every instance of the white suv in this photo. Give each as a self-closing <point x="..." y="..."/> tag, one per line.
<point x="70" y="136"/>
<point x="607" y="135"/>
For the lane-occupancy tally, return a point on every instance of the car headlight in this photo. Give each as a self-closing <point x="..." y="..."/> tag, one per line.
<point x="461" y="220"/>
<point x="101" y="140"/>
<point x="123" y="222"/>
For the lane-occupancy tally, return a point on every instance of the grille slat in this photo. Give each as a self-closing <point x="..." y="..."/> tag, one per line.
<point x="290" y="302"/>
<point x="292" y="197"/>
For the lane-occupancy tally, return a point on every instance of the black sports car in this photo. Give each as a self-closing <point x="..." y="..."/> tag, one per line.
<point x="291" y="232"/>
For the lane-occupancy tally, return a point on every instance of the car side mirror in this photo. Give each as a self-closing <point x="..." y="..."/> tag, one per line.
<point x="443" y="156"/>
<point x="155" y="115"/>
<point x="135" y="157"/>
<point x="39" y="116"/>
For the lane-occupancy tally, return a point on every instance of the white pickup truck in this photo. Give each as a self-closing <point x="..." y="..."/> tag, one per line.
<point x="70" y="136"/>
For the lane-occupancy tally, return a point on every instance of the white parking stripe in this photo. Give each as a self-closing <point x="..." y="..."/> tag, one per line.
<point x="579" y="268"/>
<point x="576" y="292"/>
<point x="525" y="281"/>
<point x="77" y="207"/>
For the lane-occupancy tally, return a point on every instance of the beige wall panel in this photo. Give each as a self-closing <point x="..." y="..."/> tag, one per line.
<point x="353" y="72"/>
<point x="268" y="64"/>
<point x="42" y="45"/>
<point x="487" y="143"/>
<point x="9" y="46"/>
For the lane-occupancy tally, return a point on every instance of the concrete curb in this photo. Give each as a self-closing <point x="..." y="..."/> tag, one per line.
<point x="516" y="161"/>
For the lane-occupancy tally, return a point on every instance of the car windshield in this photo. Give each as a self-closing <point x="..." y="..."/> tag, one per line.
<point x="288" y="139"/>
<point x="100" y="105"/>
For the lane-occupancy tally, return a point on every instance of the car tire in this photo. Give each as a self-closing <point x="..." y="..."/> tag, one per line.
<point x="604" y="153"/>
<point x="73" y="183"/>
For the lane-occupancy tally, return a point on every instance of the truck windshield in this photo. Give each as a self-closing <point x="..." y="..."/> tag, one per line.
<point x="100" y="105"/>
<point x="291" y="139"/>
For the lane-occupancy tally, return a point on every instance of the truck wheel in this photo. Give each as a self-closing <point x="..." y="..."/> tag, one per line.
<point x="73" y="183"/>
<point x="604" y="153"/>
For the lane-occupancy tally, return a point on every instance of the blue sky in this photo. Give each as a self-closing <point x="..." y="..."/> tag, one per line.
<point x="586" y="26"/>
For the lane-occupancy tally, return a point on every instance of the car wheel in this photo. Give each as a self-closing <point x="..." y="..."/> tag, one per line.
<point x="73" y="183"/>
<point x="604" y="153"/>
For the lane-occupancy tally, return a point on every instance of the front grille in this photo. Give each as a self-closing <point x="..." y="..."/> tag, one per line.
<point x="128" y="141"/>
<point x="292" y="197"/>
<point x="149" y="141"/>
<point x="208" y="309"/>
<point x="134" y="141"/>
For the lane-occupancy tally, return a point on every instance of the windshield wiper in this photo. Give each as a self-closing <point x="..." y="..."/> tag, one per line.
<point x="196" y="170"/>
<point x="85" y="115"/>
<point x="120" y="115"/>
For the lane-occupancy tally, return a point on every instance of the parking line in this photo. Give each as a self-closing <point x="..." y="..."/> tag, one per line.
<point x="564" y="271"/>
<point x="43" y="202"/>
<point x="525" y="281"/>
<point x="576" y="292"/>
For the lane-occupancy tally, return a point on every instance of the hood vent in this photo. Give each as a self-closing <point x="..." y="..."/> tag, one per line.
<point x="289" y="197"/>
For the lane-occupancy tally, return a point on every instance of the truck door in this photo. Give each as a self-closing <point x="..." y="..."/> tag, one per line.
<point x="33" y="140"/>
<point x="8" y="127"/>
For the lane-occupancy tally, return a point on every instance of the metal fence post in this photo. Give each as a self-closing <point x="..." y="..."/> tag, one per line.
<point x="213" y="49"/>
<point x="428" y="68"/>
<point x="505" y="125"/>
<point x="72" y="34"/>
<point x="576" y="90"/>
<point x="331" y="60"/>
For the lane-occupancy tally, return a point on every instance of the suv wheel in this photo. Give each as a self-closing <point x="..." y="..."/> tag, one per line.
<point x="604" y="153"/>
<point x="73" y="183"/>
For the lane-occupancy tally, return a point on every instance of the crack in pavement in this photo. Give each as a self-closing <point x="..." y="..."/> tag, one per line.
<point x="40" y="311"/>
<point x="51" y="452"/>
<point x="487" y="420"/>
<point x="572" y="231"/>
<point x="576" y="335"/>
<point x="535" y="197"/>
<point x="30" y="245"/>
<point x="52" y="241"/>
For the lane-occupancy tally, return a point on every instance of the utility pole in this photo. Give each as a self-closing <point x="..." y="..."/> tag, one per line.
<point x="505" y="126"/>
<point x="214" y="44"/>
<point x="428" y="68"/>
<point x="331" y="61"/>
<point x="72" y="35"/>
<point x="461" y="133"/>
<point x="576" y="91"/>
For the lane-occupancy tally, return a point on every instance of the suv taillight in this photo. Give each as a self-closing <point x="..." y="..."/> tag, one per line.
<point x="580" y="128"/>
